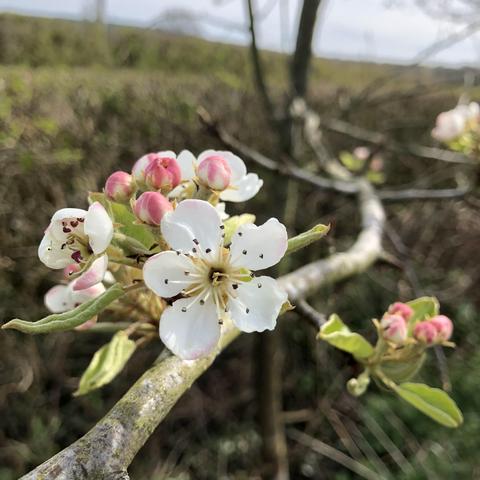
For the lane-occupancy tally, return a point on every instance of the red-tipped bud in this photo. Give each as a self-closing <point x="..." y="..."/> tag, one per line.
<point x="425" y="332"/>
<point x="394" y="328"/>
<point x="214" y="172"/>
<point x="443" y="326"/>
<point x="119" y="186"/>
<point x="150" y="207"/>
<point x="402" y="309"/>
<point x="162" y="172"/>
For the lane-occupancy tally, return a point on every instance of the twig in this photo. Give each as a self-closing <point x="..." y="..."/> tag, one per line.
<point x="377" y="138"/>
<point x="333" y="454"/>
<point x="315" y="318"/>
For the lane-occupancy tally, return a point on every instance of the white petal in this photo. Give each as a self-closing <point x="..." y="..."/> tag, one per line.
<point x="221" y="210"/>
<point x="187" y="161"/>
<point x="109" y="278"/>
<point x="58" y="299"/>
<point x="93" y="275"/>
<point x="82" y="296"/>
<point x="161" y="271"/>
<point x="99" y="228"/>
<point x="245" y="189"/>
<point x="51" y="254"/>
<point x="191" y="334"/>
<point x="262" y="298"/>
<point x="56" y="227"/>
<point x="260" y="247"/>
<point x="193" y="220"/>
<point x="167" y="153"/>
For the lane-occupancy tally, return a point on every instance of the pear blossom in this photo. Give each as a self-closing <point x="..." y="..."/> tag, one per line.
<point x="394" y="328"/>
<point x="144" y="163"/>
<point x="209" y="283"/>
<point x="444" y="327"/>
<point x="220" y="167"/>
<point x="452" y="123"/>
<point x="62" y="298"/>
<point x="150" y="207"/>
<point x="75" y="234"/>
<point x="402" y="309"/>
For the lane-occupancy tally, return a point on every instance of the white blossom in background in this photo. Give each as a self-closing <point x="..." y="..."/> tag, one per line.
<point x="63" y="298"/>
<point x="453" y="123"/>
<point x="209" y="283"/>
<point x="229" y="176"/>
<point x="75" y="235"/>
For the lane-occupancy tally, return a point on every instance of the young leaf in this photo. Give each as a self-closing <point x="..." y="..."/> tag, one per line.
<point x="60" y="322"/>
<point x="306" y="238"/>
<point x="433" y="402"/>
<point x="232" y="224"/>
<point x="107" y="363"/>
<point x="423" y="308"/>
<point x="336" y="333"/>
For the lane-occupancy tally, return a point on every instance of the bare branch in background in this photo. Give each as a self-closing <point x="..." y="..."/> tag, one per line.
<point x="313" y="316"/>
<point x="300" y="63"/>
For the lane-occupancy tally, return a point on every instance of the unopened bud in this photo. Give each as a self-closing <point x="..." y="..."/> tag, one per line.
<point x="214" y="172"/>
<point x="402" y="309"/>
<point x="425" y="332"/>
<point x="394" y="328"/>
<point x="119" y="186"/>
<point x="138" y="170"/>
<point x="162" y="172"/>
<point x="150" y="207"/>
<point x="443" y="326"/>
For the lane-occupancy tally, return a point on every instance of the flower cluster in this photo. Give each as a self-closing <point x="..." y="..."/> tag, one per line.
<point x="459" y="127"/>
<point x="167" y="218"/>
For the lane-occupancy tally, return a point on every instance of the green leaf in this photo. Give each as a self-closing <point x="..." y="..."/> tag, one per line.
<point x="306" y="238"/>
<point x="353" y="163"/>
<point x="336" y="333"/>
<point x="232" y="224"/>
<point x="401" y="371"/>
<point x="433" y="402"/>
<point x="61" y="322"/>
<point x="423" y="308"/>
<point x="122" y="215"/>
<point x="107" y="363"/>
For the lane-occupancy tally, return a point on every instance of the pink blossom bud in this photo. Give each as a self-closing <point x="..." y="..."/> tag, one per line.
<point x="443" y="326"/>
<point x="150" y="207"/>
<point x="162" y="172"/>
<point x="119" y="186"/>
<point x="402" y="309"/>
<point x="362" y="153"/>
<point x="214" y="172"/>
<point x="425" y="332"/>
<point x="394" y="328"/>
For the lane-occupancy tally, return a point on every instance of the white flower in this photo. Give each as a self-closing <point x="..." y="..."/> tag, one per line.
<point x="452" y="123"/>
<point x="62" y="298"/>
<point x="214" y="282"/>
<point x="243" y="186"/>
<point x="75" y="234"/>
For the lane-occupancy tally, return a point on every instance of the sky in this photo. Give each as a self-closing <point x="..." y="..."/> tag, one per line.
<point x="377" y="30"/>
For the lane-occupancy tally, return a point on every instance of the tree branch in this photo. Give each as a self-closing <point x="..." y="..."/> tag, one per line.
<point x="107" y="450"/>
<point x="303" y="50"/>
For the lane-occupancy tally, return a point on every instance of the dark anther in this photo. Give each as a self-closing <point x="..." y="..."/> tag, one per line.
<point x="247" y="310"/>
<point x="208" y="250"/>
<point x="186" y="273"/>
<point x="166" y="281"/>
<point x="261" y="255"/>
<point x="184" y="309"/>
<point x="202" y="302"/>
<point x="73" y="224"/>
<point x="66" y="230"/>
<point x="222" y="227"/>
<point x="220" y="321"/>
<point x="234" y="286"/>
<point x="195" y="241"/>
<point x="240" y="234"/>
<point x="194" y="250"/>
<point x="259" y="285"/>
<point x="81" y="220"/>
<point x="244" y="252"/>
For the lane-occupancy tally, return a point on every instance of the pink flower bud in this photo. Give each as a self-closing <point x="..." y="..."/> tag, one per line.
<point x="162" y="172"/>
<point x="138" y="170"/>
<point x="443" y="326"/>
<point x="119" y="186"/>
<point x="425" y="332"/>
<point x="214" y="172"/>
<point x="150" y="207"/>
<point x="402" y="309"/>
<point x="394" y="328"/>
